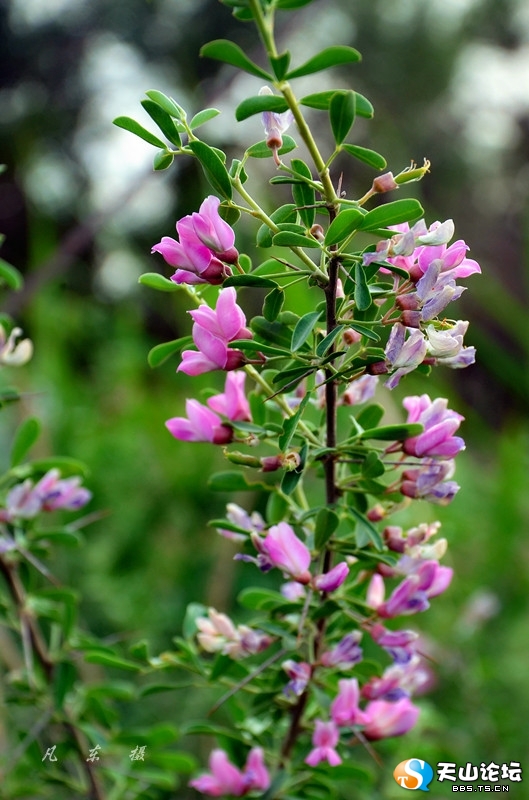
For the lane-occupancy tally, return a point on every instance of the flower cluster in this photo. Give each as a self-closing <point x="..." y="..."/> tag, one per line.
<point x="205" y="247"/>
<point x="218" y="634"/>
<point x="225" y="778"/>
<point x="26" y="500"/>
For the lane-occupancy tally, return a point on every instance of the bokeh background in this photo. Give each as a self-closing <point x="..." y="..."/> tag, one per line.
<point x="81" y="208"/>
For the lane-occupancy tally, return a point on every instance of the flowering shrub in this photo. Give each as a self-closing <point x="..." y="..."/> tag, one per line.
<point x="386" y="281"/>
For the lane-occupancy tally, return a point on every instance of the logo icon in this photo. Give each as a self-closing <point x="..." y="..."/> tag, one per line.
<point x="413" y="774"/>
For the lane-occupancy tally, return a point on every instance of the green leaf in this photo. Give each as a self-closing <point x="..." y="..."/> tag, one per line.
<point x="342" y="114"/>
<point x="365" y="531"/>
<point x="370" y="416"/>
<point x="303" y="194"/>
<point x="290" y="425"/>
<point x="276" y="508"/>
<point x="394" y="433"/>
<point x="289" y="239"/>
<point x="250" y="346"/>
<point x="10" y="276"/>
<point x="167" y="103"/>
<point x="258" y="104"/>
<point x="156" y="281"/>
<point x="343" y="225"/>
<point x="322" y="100"/>
<point x="372" y="466"/>
<point x="285" y="4"/>
<point x="281" y="214"/>
<point x="280" y="64"/>
<point x="365" y="330"/>
<point x="25" y="437"/>
<point x="260" y="599"/>
<point x="202" y="117"/>
<point x="214" y="169"/>
<point x="110" y="660"/>
<point x="67" y="466"/>
<point x="261" y="149"/>
<point x="303" y="329"/>
<point x="134" y="127"/>
<point x="162" y="160"/>
<point x="287" y="377"/>
<point x="161" y="352"/>
<point x="327" y="521"/>
<point x="232" y="481"/>
<point x="230" y="53"/>
<point x="273" y="303"/>
<point x="271" y="332"/>
<point x="329" y="57"/>
<point x="362" y="294"/>
<point x="250" y="280"/>
<point x="363" y="107"/>
<point x="327" y="341"/>
<point x="392" y="214"/>
<point x="64" y="677"/>
<point x="163" y="120"/>
<point x="370" y="157"/>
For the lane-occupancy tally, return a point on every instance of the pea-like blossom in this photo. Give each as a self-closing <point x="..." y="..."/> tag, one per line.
<point x="399" y="680"/>
<point x="25" y="500"/>
<point x="205" y="242"/>
<point x="440" y="423"/>
<point x="213" y="330"/>
<point x="200" y="425"/>
<point x="218" y="634"/>
<point x="281" y="548"/>
<point x="239" y="517"/>
<point x="431" y="481"/>
<point x="13" y="353"/>
<point x="360" y="390"/>
<point x="275" y="125"/>
<point x="405" y="350"/>
<point x="300" y="673"/>
<point x="412" y="595"/>
<point x="345" y="654"/>
<point x="324" y="741"/>
<point x="329" y="581"/>
<point x="344" y="708"/>
<point x="226" y="779"/>
<point x="446" y="346"/>
<point x="400" y="644"/>
<point x="387" y="718"/>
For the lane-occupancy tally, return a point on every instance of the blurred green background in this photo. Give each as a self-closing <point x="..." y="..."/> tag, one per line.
<point x="81" y="207"/>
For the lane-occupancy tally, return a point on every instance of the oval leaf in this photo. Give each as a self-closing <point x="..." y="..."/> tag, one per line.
<point x="231" y="53"/>
<point x="214" y="169"/>
<point x="167" y="103"/>
<point x="362" y="294"/>
<point x="273" y="303"/>
<point x="326" y="523"/>
<point x="303" y="329"/>
<point x="370" y="157"/>
<point x="156" y="281"/>
<point x="303" y="194"/>
<point x="258" y="104"/>
<point x="289" y="239"/>
<point x="394" y="433"/>
<point x="250" y="280"/>
<point x="163" y="120"/>
<point x="342" y="114"/>
<point x="25" y="437"/>
<point x="281" y="214"/>
<point x="162" y="160"/>
<point x="329" y="57"/>
<point x="347" y="221"/>
<point x="10" y="276"/>
<point x="159" y="354"/>
<point x="392" y="214"/>
<point x="202" y="117"/>
<point x="280" y="65"/>
<point x="261" y="149"/>
<point x="129" y="124"/>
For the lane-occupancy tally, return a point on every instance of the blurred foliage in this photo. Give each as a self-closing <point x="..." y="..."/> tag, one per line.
<point x="81" y="213"/>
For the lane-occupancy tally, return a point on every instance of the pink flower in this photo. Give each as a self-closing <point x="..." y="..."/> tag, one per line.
<point x="345" y="654"/>
<point x="329" y="581"/>
<point x="285" y="551"/>
<point x="360" y="390"/>
<point x="390" y="719"/>
<point x="324" y="739"/>
<point x="439" y="422"/>
<point x="404" y="354"/>
<point x="201" y="425"/>
<point x="411" y="596"/>
<point x="300" y="673"/>
<point x="227" y="779"/>
<point x="232" y="403"/>
<point x="344" y="707"/>
<point x="214" y="232"/>
<point x="25" y="500"/>
<point x="275" y="125"/>
<point x="212" y="332"/>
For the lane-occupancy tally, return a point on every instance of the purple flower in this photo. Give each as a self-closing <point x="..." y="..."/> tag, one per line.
<point x="275" y="125"/>
<point x="404" y="354"/>
<point x="446" y="346"/>
<point x="411" y="595"/>
<point x="50" y="493"/>
<point x="329" y="581"/>
<point x="225" y="778"/>
<point x="324" y="740"/>
<point x="430" y="481"/>
<point x="390" y="719"/>
<point x="399" y="644"/>
<point x="214" y="232"/>
<point x="212" y="332"/>
<point x="439" y="422"/>
<point x="232" y="403"/>
<point x="344" y="708"/>
<point x="360" y="390"/>
<point x="201" y="425"/>
<point x="399" y="680"/>
<point x="300" y="673"/>
<point x="345" y="654"/>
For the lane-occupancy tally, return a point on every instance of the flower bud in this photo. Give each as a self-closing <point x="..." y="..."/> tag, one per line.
<point x="384" y="183"/>
<point x="244" y="459"/>
<point x="318" y="232"/>
<point x="412" y="173"/>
